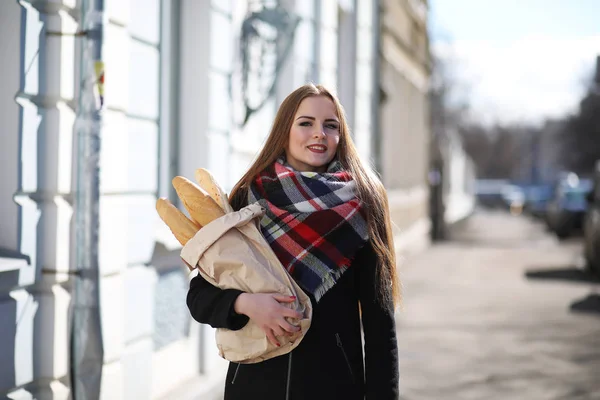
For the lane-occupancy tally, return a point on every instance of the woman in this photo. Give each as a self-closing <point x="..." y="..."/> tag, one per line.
<point x="327" y="221"/>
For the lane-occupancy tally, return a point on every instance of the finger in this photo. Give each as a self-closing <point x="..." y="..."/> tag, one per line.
<point x="271" y="338"/>
<point x="291" y="329"/>
<point x="284" y="299"/>
<point x="288" y="312"/>
<point x="278" y="331"/>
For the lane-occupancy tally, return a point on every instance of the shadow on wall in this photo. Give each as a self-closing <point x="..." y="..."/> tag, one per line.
<point x="588" y="304"/>
<point x="28" y="341"/>
<point x="9" y="328"/>
<point x="172" y="321"/>
<point x="8" y="333"/>
<point x="23" y="345"/>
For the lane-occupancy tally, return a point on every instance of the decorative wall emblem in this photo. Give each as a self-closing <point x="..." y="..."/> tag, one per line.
<point x="266" y="39"/>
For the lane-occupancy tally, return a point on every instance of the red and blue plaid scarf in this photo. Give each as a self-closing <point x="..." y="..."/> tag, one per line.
<point x="314" y="222"/>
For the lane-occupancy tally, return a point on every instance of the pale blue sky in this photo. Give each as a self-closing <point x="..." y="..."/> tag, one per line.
<point x="502" y="21"/>
<point x="520" y="59"/>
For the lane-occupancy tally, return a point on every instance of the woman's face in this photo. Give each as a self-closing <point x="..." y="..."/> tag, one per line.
<point x="314" y="135"/>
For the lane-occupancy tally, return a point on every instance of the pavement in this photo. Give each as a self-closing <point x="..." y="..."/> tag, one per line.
<point x="502" y="310"/>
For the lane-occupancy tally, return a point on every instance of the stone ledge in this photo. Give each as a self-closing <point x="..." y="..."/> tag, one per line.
<point x="11" y="264"/>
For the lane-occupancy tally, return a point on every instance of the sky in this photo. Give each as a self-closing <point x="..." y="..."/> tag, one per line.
<point x="518" y="60"/>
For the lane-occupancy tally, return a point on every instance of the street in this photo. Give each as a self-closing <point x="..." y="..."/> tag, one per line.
<point x="502" y="310"/>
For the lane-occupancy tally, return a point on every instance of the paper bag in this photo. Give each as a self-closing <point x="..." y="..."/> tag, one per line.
<point x="231" y="252"/>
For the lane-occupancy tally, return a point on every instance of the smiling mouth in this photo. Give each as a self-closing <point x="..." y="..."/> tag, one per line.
<point x="317" y="148"/>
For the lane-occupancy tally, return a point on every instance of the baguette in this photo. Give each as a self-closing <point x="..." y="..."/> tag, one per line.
<point x="181" y="226"/>
<point x="202" y="208"/>
<point x="209" y="184"/>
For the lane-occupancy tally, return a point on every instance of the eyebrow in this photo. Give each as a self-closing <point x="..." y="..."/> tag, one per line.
<point x="313" y="118"/>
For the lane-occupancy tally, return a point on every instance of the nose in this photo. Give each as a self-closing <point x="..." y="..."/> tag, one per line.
<point x="319" y="131"/>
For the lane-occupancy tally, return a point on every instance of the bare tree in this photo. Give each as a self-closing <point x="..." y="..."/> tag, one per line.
<point x="494" y="149"/>
<point x="581" y="137"/>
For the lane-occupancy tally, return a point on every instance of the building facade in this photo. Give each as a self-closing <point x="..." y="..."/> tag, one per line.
<point x="404" y="122"/>
<point x="185" y="84"/>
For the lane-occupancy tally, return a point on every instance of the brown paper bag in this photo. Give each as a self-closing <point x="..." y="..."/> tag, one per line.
<point x="231" y="252"/>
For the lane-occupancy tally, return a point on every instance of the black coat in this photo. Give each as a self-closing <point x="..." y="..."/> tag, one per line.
<point x="328" y="363"/>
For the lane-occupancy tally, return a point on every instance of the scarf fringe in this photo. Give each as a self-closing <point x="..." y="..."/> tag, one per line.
<point x="328" y="283"/>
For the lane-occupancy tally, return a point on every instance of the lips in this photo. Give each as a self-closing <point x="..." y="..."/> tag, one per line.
<point x="317" y="148"/>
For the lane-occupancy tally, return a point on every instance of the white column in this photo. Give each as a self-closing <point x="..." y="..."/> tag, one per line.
<point x="41" y="185"/>
<point x="347" y="59"/>
<point x="53" y="197"/>
<point x="328" y="52"/>
<point x="365" y="59"/>
<point x="194" y="85"/>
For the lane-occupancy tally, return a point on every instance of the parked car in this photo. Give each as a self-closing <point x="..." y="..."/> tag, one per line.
<point x="536" y="199"/>
<point x="591" y="225"/>
<point x="565" y="212"/>
<point x="489" y="192"/>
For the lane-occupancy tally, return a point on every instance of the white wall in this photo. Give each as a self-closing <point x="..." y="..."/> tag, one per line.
<point x="143" y="283"/>
<point x="204" y="121"/>
<point x="300" y="67"/>
<point x="10" y="53"/>
<point x="133" y="251"/>
<point x="35" y="153"/>
<point x="460" y="199"/>
<point x="364" y="94"/>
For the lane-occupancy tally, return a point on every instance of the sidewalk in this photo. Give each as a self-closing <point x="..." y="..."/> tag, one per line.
<point x="479" y="322"/>
<point x="199" y="388"/>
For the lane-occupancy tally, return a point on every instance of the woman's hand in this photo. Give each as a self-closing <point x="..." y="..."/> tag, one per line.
<point x="266" y="311"/>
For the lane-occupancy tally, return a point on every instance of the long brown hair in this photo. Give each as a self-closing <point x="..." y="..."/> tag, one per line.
<point x="370" y="189"/>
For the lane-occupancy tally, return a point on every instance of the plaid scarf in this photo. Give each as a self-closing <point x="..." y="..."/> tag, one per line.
<point x="313" y="221"/>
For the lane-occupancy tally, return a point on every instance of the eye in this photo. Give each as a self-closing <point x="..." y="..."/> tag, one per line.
<point x="305" y="123"/>
<point x="332" y="126"/>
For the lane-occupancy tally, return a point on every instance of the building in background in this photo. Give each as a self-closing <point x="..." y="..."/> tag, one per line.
<point x="188" y="84"/>
<point x="402" y="146"/>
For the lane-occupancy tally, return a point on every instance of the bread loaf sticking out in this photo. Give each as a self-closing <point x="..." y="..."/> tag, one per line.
<point x="181" y="226"/>
<point x="201" y="207"/>
<point x="209" y="184"/>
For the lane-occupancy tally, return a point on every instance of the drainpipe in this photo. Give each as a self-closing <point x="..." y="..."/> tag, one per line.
<point x="87" y="350"/>
<point x="376" y="135"/>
